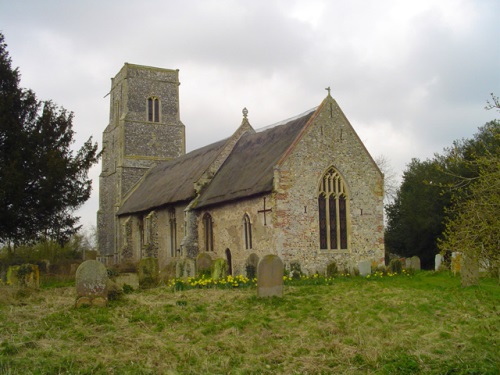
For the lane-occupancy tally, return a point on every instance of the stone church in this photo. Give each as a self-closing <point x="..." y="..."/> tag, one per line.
<point x="305" y="189"/>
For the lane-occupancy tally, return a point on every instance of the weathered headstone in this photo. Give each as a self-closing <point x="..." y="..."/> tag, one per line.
<point x="365" y="267"/>
<point x="185" y="268"/>
<point x="407" y="263"/>
<point x="91" y="281"/>
<point x="131" y="279"/>
<point x="149" y="272"/>
<point x="469" y="273"/>
<point x="251" y="266"/>
<point x="438" y="260"/>
<point x="203" y="264"/>
<point x="415" y="263"/>
<point x="270" y="277"/>
<point x="219" y="269"/>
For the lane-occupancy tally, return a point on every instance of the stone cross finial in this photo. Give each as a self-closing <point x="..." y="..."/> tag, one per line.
<point x="245" y="112"/>
<point x="328" y="89"/>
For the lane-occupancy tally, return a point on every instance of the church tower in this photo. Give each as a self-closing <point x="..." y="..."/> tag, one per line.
<point x="144" y="129"/>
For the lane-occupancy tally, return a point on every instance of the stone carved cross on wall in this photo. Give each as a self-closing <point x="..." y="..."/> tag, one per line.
<point x="265" y="210"/>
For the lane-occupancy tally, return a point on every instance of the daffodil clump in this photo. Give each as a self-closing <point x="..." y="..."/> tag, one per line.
<point x="387" y="274"/>
<point x="315" y="279"/>
<point x="205" y="282"/>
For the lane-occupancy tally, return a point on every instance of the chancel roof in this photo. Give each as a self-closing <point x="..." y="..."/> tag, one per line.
<point x="247" y="171"/>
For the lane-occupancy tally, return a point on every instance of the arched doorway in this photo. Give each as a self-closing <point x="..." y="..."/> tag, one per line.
<point x="229" y="263"/>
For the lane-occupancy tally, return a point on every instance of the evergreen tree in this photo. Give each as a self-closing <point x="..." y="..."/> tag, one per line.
<point x="42" y="180"/>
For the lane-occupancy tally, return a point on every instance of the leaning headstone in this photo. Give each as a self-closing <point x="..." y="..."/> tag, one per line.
<point x="270" y="277"/>
<point x="219" y="269"/>
<point x="415" y="263"/>
<point x="365" y="267"/>
<point x="469" y="274"/>
<point x="91" y="281"/>
<point x="148" y="272"/>
<point x="203" y="264"/>
<point x="438" y="260"/>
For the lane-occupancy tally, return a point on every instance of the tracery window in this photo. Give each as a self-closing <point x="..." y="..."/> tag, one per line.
<point x="247" y="229"/>
<point x="153" y="109"/>
<point x="208" y="232"/>
<point x="333" y="213"/>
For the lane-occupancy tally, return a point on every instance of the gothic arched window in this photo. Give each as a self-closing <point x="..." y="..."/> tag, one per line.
<point x="333" y="213"/>
<point x="173" y="234"/>
<point x="208" y="232"/>
<point x="153" y="109"/>
<point x="247" y="229"/>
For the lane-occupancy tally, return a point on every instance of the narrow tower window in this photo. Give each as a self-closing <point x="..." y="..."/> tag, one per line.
<point x="153" y="109"/>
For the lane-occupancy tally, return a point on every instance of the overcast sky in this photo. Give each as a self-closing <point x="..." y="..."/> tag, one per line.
<point x="411" y="76"/>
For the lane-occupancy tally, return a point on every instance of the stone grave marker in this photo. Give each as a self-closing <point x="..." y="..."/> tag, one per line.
<point x="365" y="267"/>
<point x="148" y="272"/>
<point x="204" y="264"/>
<point x="185" y="268"/>
<point x="407" y="263"/>
<point x="270" y="277"/>
<point x="415" y="263"/>
<point x="219" y="269"/>
<point x="251" y="266"/>
<point x="91" y="281"/>
<point x="438" y="260"/>
<point x="469" y="273"/>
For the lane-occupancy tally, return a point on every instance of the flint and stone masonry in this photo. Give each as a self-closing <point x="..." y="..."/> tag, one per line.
<point x="305" y="189"/>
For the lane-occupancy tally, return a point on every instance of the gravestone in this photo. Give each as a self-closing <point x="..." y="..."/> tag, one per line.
<point x="415" y="263"/>
<point x="185" y="268"/>
<point x="469" y="273"/>
<point x="251" y="266"/>
<point x="90" y="254"/>
<point x="407" y="263"/>
<point x="148" y="272"/>
<point x="365" y="267"/>
<point x="438" y="260"/>
<point x="204" y="264"/>
<point x="219" y="269"/>
<point x="91" y="281"/>
<point x="270" y="277"/>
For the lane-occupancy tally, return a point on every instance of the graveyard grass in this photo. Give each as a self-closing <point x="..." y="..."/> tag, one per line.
<point x="419" y="324"/>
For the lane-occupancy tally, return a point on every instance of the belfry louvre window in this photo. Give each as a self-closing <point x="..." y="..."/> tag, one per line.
<point x="332" y="204"/>
<point x="247" y="228"/>
<point x="208" y="232"/>
<point x="153" y="109"/>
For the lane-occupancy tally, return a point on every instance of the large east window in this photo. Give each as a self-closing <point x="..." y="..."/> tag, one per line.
<point x="333" y="212"/>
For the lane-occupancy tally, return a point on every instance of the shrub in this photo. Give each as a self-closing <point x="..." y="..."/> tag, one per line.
<point x="395" y="266"/>
<point x="332" y="269"/>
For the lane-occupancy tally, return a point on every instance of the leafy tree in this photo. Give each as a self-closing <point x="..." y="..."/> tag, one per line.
<point x="42" y="180"/>
<point x="415" y="218"/>
<point x="473" y="226"/>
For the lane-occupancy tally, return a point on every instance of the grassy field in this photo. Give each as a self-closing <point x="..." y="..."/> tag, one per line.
<point x="420" y="324"/>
